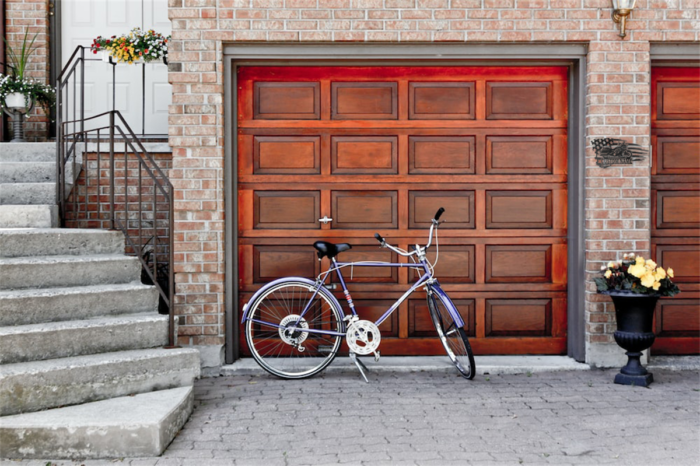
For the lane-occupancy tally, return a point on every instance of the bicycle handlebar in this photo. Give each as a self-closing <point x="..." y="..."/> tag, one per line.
<point x="439" y="213"/>
<point x="434" y="224"/>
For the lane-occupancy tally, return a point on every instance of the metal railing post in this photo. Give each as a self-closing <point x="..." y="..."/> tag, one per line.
<point x="82" y="91"/>
<point x="112" y="182"/>
<point x="171" y="268"/>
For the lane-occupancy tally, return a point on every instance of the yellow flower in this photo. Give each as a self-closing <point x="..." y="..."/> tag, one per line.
<point x="640" y="260"/>
<point x="648" y="280"/>
<point x="608" y="274"/>
<point x="669" y="271"/>
<point x="660" y="274"/>
<point x="651" y="264"/>
<point x="637" y="270"/>
<point x="611" y="264"/>
<point x="656" y="285"/>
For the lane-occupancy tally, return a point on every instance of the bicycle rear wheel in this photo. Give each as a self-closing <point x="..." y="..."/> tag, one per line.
<point x="453" y="338"/>
<point x="287" y="353"/>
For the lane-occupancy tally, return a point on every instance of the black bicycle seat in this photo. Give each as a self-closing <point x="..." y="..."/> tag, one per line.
<point x="330" y="250"/>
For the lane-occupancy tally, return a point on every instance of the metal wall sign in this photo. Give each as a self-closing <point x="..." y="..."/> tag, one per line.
<point x="610" y="151"/>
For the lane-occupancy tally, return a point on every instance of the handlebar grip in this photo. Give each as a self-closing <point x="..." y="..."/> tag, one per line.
<point x="379" y="237"/>
<point x="439" y="213"/>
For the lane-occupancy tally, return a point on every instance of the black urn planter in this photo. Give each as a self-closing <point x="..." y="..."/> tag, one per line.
<point x="635" y="316"/>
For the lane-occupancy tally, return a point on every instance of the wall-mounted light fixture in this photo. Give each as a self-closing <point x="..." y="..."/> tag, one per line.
<point x="621" y="10"/>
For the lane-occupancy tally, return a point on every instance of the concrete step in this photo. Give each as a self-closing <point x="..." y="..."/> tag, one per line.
<point x="28" y="152"/>
<point x="29" y="216"/>
<point x="129" y="426"/>
<point x="27" y="172"/>
<point x="27" y="193"/>
<point x="59" y="241"/>
<point x="52" y="340"/>
<point x="63" y="271"/>
<point x="37" y="385"/>
<point x="24" y="307"/>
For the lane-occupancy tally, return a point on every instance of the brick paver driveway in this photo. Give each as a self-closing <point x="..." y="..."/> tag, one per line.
<point x="430" y="418"/>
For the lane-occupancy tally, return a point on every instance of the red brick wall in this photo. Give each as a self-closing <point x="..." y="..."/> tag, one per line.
<point x="617" y="105"/>
<point x="34" y="16"/>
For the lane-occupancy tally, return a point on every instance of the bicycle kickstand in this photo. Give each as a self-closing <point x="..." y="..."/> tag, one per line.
<point x="360" y="365"/>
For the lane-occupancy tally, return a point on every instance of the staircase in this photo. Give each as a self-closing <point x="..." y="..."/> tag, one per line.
<point x="83" y="371"/>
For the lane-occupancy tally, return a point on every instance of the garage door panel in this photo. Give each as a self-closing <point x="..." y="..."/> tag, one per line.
<point x="441" y="154"/>
<point x="287" y="100"/>
<point x="518" y="317"/>
<point x="519" y="154"/>
<point x="364" y="101"/>
<point x="420" y="323"/>
<point x="364" y="155"/>
<point x="364" y="209"/>
<point x="387" y="147"/>
<point x="677" y="209"/>
<point x="677" y="318"/>
<point x="518" y="264"/>
<point x="280" y="155"/>
<point x="677" y="155"/>
<point x="456" y="264"/>
<point x="682" y="258"/>
<point x="273" y="262"/>
<point x="368" y="274"/>
<point x="441" y="100"/>
<point x="519" y="209"/>
<point x="286" y="209"/>
<point x="424" y="204"/>
<point x="678" y="100"/>
<point x="519" y="101"/>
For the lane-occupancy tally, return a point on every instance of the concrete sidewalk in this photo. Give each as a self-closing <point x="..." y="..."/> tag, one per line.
<point x="437" y="418"/>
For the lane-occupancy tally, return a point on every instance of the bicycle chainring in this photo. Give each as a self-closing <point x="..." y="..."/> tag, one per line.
<point x="290" y="337"/>
<point x="363" y="337"/>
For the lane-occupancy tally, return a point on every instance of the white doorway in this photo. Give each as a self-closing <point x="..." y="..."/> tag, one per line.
<point x="142" y="93"/>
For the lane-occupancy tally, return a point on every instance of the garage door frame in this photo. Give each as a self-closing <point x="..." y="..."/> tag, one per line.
<point x="573" y="56"/>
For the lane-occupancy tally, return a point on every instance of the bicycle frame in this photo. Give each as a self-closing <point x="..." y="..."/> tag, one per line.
<point x="426" y="278"/>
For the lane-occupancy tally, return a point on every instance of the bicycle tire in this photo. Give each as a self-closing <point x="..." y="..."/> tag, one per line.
<point x="276" y="350"/>
<point x="454" y="339"/>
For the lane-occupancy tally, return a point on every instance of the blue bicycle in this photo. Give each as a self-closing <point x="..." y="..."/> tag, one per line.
<point x="294" y="326"/>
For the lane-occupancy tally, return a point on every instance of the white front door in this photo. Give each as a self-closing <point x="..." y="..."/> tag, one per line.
<point x="140" y="92"/>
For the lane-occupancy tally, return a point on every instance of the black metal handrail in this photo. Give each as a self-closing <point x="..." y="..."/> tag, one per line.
<point x="106" y="179"/>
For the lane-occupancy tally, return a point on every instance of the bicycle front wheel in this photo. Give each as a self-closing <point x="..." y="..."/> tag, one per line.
<point x="453" y="338"/>
<point x="275" y="330"/>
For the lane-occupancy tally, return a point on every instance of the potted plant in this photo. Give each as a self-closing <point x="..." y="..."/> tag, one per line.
<point x="635" y="285"/>
<point x="133" y="47"/>
<point x="19" y="93"/>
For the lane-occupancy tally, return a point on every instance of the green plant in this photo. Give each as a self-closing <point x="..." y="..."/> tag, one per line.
<point x="20" y="59"/>
<point x="636" y="275"/>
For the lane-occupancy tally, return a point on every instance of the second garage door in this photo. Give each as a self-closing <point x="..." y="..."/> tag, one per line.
<point x="380" y="149"/>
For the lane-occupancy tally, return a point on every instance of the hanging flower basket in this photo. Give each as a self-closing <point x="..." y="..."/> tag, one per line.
<point x="137" y="46"/>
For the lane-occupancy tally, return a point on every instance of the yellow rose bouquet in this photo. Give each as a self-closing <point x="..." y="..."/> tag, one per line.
<point x="637" y="275"/>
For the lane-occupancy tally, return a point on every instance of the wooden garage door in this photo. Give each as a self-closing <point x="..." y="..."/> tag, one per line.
<point x="675" y="197"/>
<point x="380" y="149"/>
